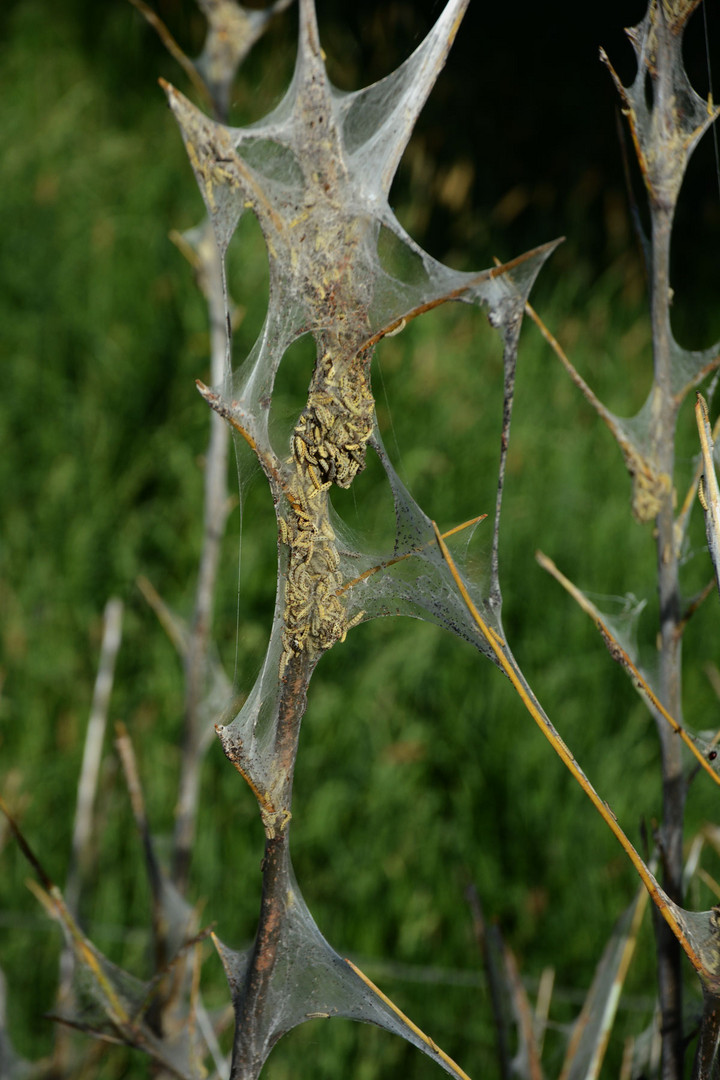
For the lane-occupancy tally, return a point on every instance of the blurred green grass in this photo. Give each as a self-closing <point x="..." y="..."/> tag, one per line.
<point x="418" y="771"/>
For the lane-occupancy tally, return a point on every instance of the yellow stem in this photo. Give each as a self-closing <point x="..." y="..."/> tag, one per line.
<point x="406" y="1020"/>
<point x="618" y="653"/>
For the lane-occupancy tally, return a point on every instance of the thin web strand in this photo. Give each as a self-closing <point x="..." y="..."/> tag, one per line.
<point x="712" y="95"/>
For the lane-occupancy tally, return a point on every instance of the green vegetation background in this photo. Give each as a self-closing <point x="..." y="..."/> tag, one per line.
<point x="418" y="771"/>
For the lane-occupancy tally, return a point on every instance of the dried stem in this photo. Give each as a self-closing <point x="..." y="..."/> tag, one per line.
<point x="619" y="654"/>
<point x="674" y="787"/>
<point x="173" y="48"/>
<point x="215" y="514"/>
<point x="491" y="946"/>
<point x="460" y="1073"/>
<point x="81" y="851"/>
<point x="709" y="491"/>
<point x="703" y="960"/>
<point x="92" y="754"/>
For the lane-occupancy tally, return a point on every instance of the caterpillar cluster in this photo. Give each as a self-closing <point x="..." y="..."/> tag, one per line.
<point x="328" y="447"/>
<point x="329" y="441"/>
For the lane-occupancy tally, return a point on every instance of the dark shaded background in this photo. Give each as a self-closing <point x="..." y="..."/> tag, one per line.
<point x="519" y="140"/>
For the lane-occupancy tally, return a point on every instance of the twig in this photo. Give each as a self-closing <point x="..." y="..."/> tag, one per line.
<point x="649" y="482"/>
<point x="137" y="801"/>
<point x="216" y="508"/>
<point x="708" y="492"/>
<point x="667" y="909"/>
<point x="586" y="1049"/>
<point x="92" y="754"/>
<point x="530" y="1056"/>
<point x="174" y="627"/>
<point x="689" y="501"/>
<point x="491" y="946"/>
<point x="400" y="558"/>
<point x="174" y="49"/>
<point x="543" y="1000"/>
<point x="87" y="787"/>
<point x="620" y="655"/>
<point x="406" y="1020"/>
